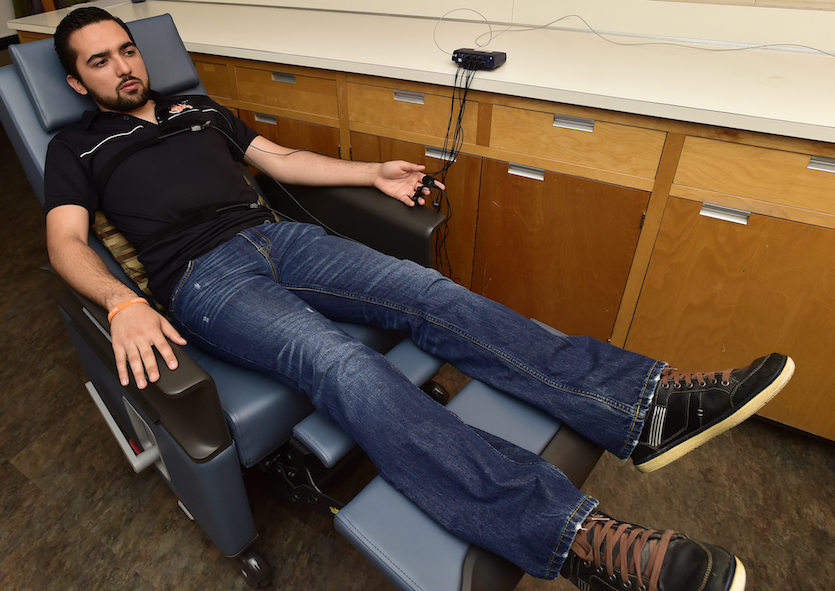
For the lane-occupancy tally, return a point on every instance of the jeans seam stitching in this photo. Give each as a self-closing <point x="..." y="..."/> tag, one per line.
<point x="513" y="362"/>
<point x="562" y="534"/>
<point x="264" y="251"/>
<point x="636" y="418"/>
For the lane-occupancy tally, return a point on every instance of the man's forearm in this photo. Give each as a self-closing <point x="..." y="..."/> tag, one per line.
<point x="85" y="272"/>
<point x="309" y="168"/>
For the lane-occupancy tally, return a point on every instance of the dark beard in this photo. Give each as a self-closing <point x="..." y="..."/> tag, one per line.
<point x="123" y="103"/>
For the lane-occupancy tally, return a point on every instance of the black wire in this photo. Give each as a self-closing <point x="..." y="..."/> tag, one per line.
<point x="441" y="252"/>
<point x="464" y="76"/>
<point x="283" y="188"/>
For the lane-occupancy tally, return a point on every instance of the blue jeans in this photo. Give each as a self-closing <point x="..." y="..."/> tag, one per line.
<point x="265" y="300"/>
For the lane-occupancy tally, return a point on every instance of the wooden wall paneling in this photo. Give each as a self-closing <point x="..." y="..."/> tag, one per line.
<point x="649" y="232"/>
<point x="294" y="134"/>
<point x="287" y="88"/>
<point x="395" y="108"/>
<point x="773" y="176"/>
<point x="718" y="294"/>
<point x="607" y="146"/>
<point x="214" y="75"/>
<point x="26" y="36"/>
<point x="557" y="249"/>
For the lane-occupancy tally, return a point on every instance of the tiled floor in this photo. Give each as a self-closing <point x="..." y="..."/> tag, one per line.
<point x="74" y="516"/>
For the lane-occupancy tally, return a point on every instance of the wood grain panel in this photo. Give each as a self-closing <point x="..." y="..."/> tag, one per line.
<point x="296" y="134"/>
<point x="462" y="188"/>
<point x="773" y="176"/>
<point x="215" y="77"/>
<point x="376" y="105"/>
<point x="719" y="294"/>
<point x="26" y="36"/>
<point x="613" y="147"/>
<point x="308" y="94"/>
<point x="558" y="250"/>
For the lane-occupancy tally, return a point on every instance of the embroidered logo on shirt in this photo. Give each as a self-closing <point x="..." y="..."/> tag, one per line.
<point x="179" y="108"/>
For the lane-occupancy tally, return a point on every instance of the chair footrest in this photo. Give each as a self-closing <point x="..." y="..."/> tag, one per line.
<point x="330" y="443"/>
<point x="402" y="542"/>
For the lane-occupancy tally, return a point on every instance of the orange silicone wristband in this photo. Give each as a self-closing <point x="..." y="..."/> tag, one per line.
<point x="124" y="305"/>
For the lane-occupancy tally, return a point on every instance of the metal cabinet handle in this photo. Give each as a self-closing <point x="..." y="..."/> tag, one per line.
<point x="528" y="172"/>
<point x="264" y="118"/>
<point x="821" y="163"/>
<point x="575" y="123"/>
<point x="439" y="154"/>
<point x="728" y="214"/>
<point x="283" y="77"/>
<point x="408" y="96"/>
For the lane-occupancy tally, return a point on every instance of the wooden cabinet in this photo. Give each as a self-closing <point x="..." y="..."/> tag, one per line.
<point x="592" y="221"/>
<point x="555" y="247"/>
<point x="718" y="294"/>
<point x="385" y="107"/>
<point x="294" y="134"/>
<point x="581" y="141"/>
<point x="462" y="190"/>
<point x="289" y="92"/>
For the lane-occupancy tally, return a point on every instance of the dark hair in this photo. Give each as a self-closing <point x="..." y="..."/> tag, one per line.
<point x="75" y="20"/>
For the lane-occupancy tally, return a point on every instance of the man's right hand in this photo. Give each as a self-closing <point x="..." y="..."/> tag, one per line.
<point x="136" y="331"/>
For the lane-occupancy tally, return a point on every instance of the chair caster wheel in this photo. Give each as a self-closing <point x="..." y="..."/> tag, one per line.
<point x="255" y="569"/>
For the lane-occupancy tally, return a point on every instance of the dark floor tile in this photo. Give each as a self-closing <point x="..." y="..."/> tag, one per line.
<point x="67" y="558"/>
<point x="761" y="491"/>
<point x="25" y="512"/>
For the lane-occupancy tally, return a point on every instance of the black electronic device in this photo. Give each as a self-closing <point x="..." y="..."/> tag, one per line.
<point x="474" y="59"/>
<point x="426" y="183"/>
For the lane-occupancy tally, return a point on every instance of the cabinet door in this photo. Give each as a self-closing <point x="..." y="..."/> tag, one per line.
<point x="555" y="247"/>
<point x="294" y="134"/>
<point x="718" y="294"/>
<point x="462" y="184"/>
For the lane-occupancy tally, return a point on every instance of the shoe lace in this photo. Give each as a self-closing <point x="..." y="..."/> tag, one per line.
<point x="670" y="374"/>
<point x="622" y="545"/>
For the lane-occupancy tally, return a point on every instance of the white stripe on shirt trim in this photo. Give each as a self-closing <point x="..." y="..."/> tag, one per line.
<point x="107" y="139"/>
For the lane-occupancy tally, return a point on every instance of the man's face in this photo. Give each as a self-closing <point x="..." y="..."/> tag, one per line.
<point x="110" y="68"/>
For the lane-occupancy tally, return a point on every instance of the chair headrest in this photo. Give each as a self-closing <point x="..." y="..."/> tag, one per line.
<point x="170" y="69"/>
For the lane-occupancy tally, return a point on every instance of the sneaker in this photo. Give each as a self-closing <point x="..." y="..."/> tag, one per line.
<point x="690" y="409"/>
<point x="609" y="555"/>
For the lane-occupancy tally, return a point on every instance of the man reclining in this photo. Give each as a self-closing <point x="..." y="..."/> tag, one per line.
<point x="263" y="295"/>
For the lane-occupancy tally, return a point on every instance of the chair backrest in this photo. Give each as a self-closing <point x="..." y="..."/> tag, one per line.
<point x="36" y="102"/>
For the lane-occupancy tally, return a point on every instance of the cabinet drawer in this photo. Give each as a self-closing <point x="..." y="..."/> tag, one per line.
<point x="215" y="78"/>
<point x="402" y="109"/>
<point x="283" y="88"/>
<point x="585" y="142"/>
<point x="763" y="174"/>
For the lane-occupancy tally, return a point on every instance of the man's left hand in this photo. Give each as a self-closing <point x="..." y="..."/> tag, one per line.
<point x="401" y="180"/>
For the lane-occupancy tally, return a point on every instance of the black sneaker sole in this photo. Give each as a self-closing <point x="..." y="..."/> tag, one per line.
<point x="687" y="445"/>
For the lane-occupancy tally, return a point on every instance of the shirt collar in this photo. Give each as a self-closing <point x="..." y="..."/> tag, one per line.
<point x="90" y="116"/>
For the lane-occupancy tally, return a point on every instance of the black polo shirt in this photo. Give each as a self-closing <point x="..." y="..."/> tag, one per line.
<point x="145" y="177"/>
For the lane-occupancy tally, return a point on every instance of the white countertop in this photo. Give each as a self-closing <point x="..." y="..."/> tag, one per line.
<point x="719" y="80"/>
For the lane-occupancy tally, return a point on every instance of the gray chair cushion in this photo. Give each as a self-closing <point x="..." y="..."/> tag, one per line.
<point x="400" y="540"/>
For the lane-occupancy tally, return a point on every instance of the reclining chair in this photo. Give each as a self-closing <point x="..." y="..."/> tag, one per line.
<point x="204" y="424"/>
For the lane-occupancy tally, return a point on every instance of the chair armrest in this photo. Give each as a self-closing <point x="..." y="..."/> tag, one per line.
<point x="362" y="213"/>
<point x="184" y="401"/>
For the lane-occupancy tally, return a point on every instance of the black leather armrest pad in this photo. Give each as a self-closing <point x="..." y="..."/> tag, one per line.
<point x="184" y="401"/>
<point x="364" y="214"/>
